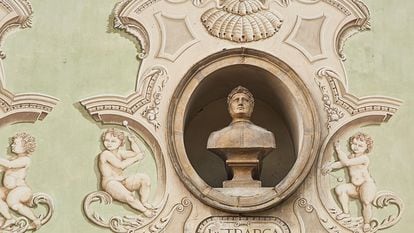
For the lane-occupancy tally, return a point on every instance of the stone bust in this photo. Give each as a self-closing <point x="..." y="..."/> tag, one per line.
<point x="242" y="144"/>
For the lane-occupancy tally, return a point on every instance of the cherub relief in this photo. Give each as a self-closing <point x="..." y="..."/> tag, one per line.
<point x="15" y="193"/>
<point x="362" y="186"/>
<point x="133" y="190"/>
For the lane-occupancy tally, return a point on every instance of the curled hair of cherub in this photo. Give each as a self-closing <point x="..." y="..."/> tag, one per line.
<point x="29" y="142"/>
<point x="243" y="90"/>
<point x="116" y="133"/>
<point x="363" y="137"/>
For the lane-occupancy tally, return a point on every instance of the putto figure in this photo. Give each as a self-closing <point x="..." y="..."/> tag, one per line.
<point x="362" y="185"/>
<point x="15" y="193"/>
<point x="242" y="144"/>
<point x="113" y="161"/>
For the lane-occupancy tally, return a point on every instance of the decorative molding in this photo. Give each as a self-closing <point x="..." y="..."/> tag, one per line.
<point x="337" y="96"/>
<point x="128" y="24"/>
<point x="145" y="101"/>
<point x="242" y="224"/>
<point x="382" y="200"/>
<point x="122" y="224"/>
<point x="334" y="113"/>
<point x="25" y="107"/>
<point x="15" y="14"/>
<point x="339" y="6"/>
<point x="241" y="21"/>
<point x="360" y="24"/>
<point x="310" y="46"/>
<point x="308" y="217"/>
<point x="173" y="44"/>
<point x="178" y="112"/>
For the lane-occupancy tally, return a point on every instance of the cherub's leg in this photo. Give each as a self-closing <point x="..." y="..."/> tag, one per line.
<point x="367" y="193"/>
<point x="15" y="200"/>
<point x="4" y="208"/>
<point x="343" y="192"/>
<point x="119" y="192"/>
<point x="140" y="183"/>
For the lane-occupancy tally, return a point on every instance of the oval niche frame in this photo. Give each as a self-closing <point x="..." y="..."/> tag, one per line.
<point x="308" y="134"/>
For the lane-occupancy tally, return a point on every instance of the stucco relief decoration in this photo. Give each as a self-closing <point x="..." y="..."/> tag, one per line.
<point x="17" y="199"/>
<point x="13" y="14"/>
<point x="122" y="150"/>
<point x="361" y="186"/>
<point x="19" y="210"/>
<point x="241" y="21"/>
<point x="338" y="103"/>
<point x="301" y="74"/>
<point x="145" y="101"/>
<point x="22" y="107"/>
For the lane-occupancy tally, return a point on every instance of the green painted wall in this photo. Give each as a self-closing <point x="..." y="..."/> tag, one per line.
<point x="71" y="53"/>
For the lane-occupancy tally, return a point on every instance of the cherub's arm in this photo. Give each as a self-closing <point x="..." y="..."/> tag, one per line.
<point x="328" y="167"/>
<point x="360" y="160"/>
<point x="17" y="163"/>
<point x="118" y="163"/>
<point x="343" y="158"/>
<point x="136" y="151"/>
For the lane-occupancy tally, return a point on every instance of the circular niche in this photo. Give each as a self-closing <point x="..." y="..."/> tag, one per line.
<point x="282" y="106"/>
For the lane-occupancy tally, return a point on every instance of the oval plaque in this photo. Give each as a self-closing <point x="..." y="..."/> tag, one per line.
<point x="235" y="224"/>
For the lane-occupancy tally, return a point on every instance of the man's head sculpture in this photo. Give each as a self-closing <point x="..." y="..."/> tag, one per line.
<point x="242" y="145"/>
<point x="240" y="103"/>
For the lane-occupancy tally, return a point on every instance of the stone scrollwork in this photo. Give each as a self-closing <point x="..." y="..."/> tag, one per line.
<point x="308" y="216"/>
<point x="145" y="101"/>
<point x="382" y="200"/>
<point x="16" y="195"/>
<point x="362" y="23"/>
<point x="23" y="107"/>
<point x="122" y="224"/>
<point x="16" y="14"/>
<point x="241" y="21"/>
<point x="337" y="101"/>
<point x="134" y="28"/>
<point x="333" y="112"/>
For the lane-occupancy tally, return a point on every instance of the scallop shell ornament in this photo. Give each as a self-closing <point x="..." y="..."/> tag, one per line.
<point x="241" y="21"/>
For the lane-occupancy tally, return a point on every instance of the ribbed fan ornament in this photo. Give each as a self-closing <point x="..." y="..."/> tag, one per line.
<point x="241" y="21"/>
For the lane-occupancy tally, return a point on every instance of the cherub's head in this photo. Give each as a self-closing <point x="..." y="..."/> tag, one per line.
<point x="361" y="143"/>
<point x="240" y="103"/>
<point x="113" y="138"/>
<point x="23" y="143"/>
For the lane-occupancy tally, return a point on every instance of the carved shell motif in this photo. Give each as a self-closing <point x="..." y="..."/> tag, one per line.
<point x="241" y="21"/>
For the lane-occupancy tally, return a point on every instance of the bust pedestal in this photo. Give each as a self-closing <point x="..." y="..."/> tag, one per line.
<point x="243" y="146"/>
<point x="243" y="166"/>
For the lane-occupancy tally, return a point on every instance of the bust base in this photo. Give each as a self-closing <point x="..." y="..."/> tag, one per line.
<point x="242" y="184"/>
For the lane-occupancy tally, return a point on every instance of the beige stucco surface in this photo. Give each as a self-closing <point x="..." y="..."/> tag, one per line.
<point x="72" y="53"/>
